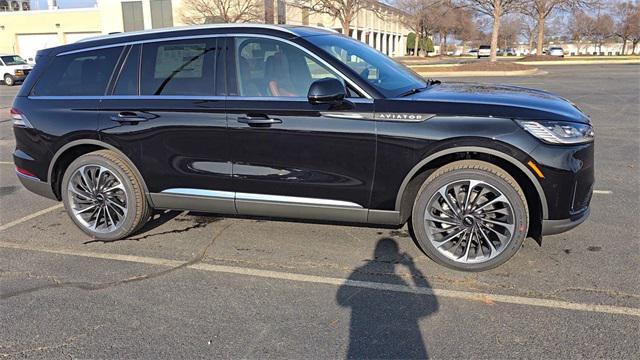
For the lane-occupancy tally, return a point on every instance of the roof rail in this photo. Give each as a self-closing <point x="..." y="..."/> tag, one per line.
<point x="191" y="27"/>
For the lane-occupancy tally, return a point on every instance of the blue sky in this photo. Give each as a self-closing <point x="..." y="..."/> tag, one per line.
<point x="63" y="4"/>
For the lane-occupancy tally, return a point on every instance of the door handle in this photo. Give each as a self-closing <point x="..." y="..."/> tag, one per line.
<point x="128" y="116"/>
<point x="260" y="120"/>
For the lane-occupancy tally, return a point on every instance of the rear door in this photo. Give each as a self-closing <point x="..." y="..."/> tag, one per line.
<point x="167" y="115"/>
<point x="292" y="158"/>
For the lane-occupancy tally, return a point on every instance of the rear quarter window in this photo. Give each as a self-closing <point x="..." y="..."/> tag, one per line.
<point x="79" y="74"/>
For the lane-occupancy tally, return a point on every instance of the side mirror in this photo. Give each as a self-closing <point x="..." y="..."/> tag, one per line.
<point x="327" y="91"/>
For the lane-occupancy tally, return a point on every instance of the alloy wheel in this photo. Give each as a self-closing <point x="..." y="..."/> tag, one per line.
<point x="469" y="221"/>
<point x="98" y="198"/>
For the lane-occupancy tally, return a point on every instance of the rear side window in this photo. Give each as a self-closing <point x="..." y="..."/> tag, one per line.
<point x="185" y="67"/>
<point x="80" y="74"/>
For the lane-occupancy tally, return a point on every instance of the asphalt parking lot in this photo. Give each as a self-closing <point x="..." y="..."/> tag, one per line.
<point x="195" y="285"/>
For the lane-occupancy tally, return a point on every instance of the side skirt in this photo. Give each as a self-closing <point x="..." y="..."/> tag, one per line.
<point x="225" y="202"/>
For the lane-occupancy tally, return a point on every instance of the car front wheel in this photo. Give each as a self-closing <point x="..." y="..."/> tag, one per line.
<point x="9" y="80"/>
<point x="103" y="196"/>
<point x="470" y="215"/>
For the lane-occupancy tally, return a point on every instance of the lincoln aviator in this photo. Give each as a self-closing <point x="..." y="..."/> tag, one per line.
<point x="298" y="122"/>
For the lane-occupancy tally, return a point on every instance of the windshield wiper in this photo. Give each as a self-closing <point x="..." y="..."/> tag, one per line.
<point x="412" y="91"/>
<point x="417" y="90"/>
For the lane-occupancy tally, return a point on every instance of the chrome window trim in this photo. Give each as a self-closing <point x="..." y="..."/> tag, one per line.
<point x="183" y="97"/>
<point x="310" y="53"/>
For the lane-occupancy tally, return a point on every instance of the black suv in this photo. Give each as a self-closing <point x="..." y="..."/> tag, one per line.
<point x="298" y="122"/>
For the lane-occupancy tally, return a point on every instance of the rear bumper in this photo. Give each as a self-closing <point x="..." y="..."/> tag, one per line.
<point x="36" y="186"/>
<point x="552" y="227"/>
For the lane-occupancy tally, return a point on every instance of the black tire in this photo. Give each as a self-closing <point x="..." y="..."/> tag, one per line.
<point x="9" y="80"/>
<point x="495" y="178"/>
<point x="138" y="208"/>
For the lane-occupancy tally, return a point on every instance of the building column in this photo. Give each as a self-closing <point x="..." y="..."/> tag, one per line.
<point x="354" y="26"/>
<point x="383" y="48"/>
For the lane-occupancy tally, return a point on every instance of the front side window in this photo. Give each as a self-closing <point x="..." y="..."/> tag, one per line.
<point x="13" y="60"/>
<point x="384" y="74"/>
<point x="80" y="74"/>
<point x="185" y="67"/>
<point x="268" y="67"/>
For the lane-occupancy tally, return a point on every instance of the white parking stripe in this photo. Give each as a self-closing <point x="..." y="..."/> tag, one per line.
<point x="454" y="294"/>
<point x="6" y="163"/>
<point x="29" y="217"/>
<point x="603" y="192"/>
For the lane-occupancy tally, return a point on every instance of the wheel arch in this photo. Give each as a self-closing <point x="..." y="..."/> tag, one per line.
<point x="536" y="199"/>
<point x="72" y="150"/>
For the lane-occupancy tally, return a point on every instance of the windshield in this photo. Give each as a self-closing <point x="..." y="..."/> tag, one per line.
<point x="13" y="60"/>
<point x="387" y="76"/>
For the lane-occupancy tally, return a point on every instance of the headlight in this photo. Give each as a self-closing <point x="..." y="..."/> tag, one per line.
<point x="559" y="132"/>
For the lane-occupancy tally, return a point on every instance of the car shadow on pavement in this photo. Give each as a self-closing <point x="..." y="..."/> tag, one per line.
<point x="158" y="219"/>
<point x="384" y="324"/>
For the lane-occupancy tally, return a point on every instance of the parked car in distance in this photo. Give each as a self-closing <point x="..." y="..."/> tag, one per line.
<point x="484" y="51"/>
<point x="13" y="69"/>
<point x="297" y="122"/>
<point x="510" y="52"/>
<point x="473" y="52"/>
<point x="556" y="51"/>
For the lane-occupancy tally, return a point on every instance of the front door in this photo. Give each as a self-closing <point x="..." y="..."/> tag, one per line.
<point x="292" y="158"/>
<point x="171" y="123"/>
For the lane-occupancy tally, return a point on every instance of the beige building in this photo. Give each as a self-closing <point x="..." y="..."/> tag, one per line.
<point x="24" y="29"/>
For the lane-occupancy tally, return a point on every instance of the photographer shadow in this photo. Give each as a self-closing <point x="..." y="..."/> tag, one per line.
<point x="385" y="324"/>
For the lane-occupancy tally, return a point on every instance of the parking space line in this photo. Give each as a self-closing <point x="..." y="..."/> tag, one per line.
<point x="29" y="217"/>
<point x="454" y="294"/>
<point x="603" y="192"/>
<point x="6" y="163"/>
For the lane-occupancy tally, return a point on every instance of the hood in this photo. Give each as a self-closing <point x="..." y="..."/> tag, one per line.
<point x="500" y="101"/>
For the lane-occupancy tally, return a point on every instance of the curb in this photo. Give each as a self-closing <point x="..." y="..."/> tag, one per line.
<point x="483" y="73"/>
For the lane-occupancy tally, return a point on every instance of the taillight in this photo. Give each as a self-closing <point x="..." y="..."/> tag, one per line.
<point x="19" y="119"/>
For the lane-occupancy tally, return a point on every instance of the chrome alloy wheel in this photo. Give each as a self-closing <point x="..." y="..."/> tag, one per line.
<point x="98" y="199"/>
<point x="469" y="221"/>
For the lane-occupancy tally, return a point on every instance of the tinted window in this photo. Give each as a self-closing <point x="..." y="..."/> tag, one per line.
<point x="85" y="73"/>
<point x="127" y="83"/>
<point x="184" y="67"/>
<point x="269" y="67"/>
<point x="386" y="75"/>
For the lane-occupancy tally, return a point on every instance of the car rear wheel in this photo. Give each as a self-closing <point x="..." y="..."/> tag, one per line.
<point x="103" y="196"/>
<point x="9" y="80"/>
<point x="470" y="215"/>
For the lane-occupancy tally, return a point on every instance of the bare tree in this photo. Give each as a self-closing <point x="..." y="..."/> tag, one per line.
<point x="581" y="27"/>
<point x="627" y="22"/>
<point x="602" y="30"/>
<point x="510" y="31"/>
<point x="466" y="26"/>
<point x="495" y="9"/>
<point x="528" y="30"/>
<point x="417" y="21"/>
<point x="194" y="12"/>
<point x="344" y="11"/>
<point x="540" y="10"/>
